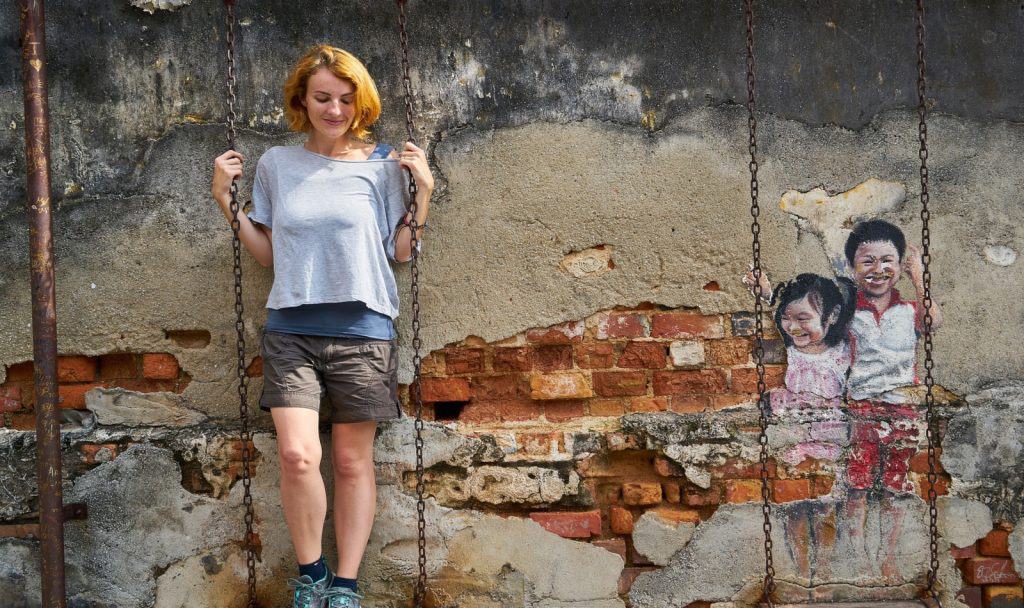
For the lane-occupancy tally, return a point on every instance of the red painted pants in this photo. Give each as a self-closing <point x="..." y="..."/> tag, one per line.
<point x="883" y="437"/>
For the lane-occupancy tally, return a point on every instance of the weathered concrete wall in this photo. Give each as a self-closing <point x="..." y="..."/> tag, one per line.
<point x="589" y="156"/>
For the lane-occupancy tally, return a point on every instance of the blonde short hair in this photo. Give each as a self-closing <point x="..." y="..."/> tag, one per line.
<point x="344" y="65"/>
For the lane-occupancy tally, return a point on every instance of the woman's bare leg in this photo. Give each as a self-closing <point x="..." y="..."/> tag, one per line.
<point x="355" y="492"/>
<point x="303" y="495"/>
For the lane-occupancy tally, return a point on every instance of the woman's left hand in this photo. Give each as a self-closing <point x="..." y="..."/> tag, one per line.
<point x="415" y="159"/>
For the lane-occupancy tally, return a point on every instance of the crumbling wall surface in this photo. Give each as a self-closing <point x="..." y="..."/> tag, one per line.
<point x="589" y="380"/>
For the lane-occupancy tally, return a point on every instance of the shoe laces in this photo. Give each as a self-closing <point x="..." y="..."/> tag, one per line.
<point x="342" y="597"/>
<point x="305" y="591"/>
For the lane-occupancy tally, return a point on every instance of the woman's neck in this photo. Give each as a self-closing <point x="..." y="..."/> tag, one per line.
<point x="338" y="147"/>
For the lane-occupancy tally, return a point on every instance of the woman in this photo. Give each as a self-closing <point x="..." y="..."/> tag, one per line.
<point x="329" y="215"/>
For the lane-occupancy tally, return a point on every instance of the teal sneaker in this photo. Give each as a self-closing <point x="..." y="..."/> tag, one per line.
<point x="309" y="594"/>
<point x="341" y="597"/>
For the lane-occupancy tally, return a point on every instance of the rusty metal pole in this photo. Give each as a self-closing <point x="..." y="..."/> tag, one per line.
<point x="44" y="311"/>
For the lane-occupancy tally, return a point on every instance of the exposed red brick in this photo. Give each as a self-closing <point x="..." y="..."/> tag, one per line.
<point x="90" y="450"/>
<point x="697" y="497"/>
<point x="551" y="358"/>
<point x="159" y="366"/>
<point x="821" y="486"/>
<point x="146" y="386"/>
<point x="648" y="404"/>
<point x="742" y="490"/>
<point x="643" y="355"/>
<point x="677" y="515"/>
<point x="734" y="468"/>
<point x="689" y="404"/>
<point x="433" y="364"/>
<point x="255" y="369"/>
<point x="635" y="558"/>
<point x="941" y="486"/>
<point x="20" y="422"/>
<point x="607" y="407"/>
<point x="687" y="325"/>
<point x="564" y="410"/>
<point x="540" y="444"/>
<point x="672" y="492"/>
<point x="995" y="544"/>
<point x="76" y="368"/>
<point x="620" y="384"/>
<point x="594" y="355"/>
<point x="1004" y="596"/>
<point x="512" y="359"/>
<point x="444" y="389"/>
<point x="563" y="333"/>
<point x="628" y="576"/>
<point x="728" y="351"/>
<point x="963" y="553"/>
<point x="491" y="388"/>
<point x="520" y="409"/>
<point x="72" y="396"/>
<point x="641" y="493"/>
<point x="118" y="366"/>
<point x="615" y="545"/>
<point x="971" y="596"/>
<point x="481" y="411"/>
<point x="21" y="372"/>
<point x="683" y="382"/>
<point x="620" y="520"/>
<point x="990" y="571"/>
<point x="566" y="385"/>
<point x="623" y="325"/>
<point x="788" y="490"/>
<point x="666" y="468"/>
<point x="10" y="398"/>
<point x="570" y="524"/>
<point x="721" y="402"/>
<point x="464" y="360"/>
<point x="744" y="379"/>
<point x="919" y="462"/>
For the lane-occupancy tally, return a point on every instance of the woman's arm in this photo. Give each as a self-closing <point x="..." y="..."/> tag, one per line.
<point x="256" y="238"/>
<point x="414" y="159"/>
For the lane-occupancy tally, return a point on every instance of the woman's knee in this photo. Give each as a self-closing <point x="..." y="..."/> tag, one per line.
<point x="351" y="466"/>
<point x="298" y="459"/>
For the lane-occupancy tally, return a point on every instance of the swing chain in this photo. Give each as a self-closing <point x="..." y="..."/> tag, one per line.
<point x="245" y="436"/>
<point x="931" y="422"/>
<point x="415" y="393"/>
<point x="762" y="388"/>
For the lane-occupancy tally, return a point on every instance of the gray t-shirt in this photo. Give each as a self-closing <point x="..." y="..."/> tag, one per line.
<point x="333" y="224"/>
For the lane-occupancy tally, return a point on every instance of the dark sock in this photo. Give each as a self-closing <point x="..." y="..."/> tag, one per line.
<point x="351" y="583"/>
<point x="316" y="571"/>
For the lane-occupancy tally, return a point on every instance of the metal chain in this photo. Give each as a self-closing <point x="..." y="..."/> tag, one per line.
<point x="245" y="435"/>
<point x="762" y="388"/>
<point x="415" y="393"/>
<point x="929" y="363"/>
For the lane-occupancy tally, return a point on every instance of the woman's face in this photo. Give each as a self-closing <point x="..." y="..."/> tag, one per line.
<point x="804" y="325"/>
<point x="330" y="103"/>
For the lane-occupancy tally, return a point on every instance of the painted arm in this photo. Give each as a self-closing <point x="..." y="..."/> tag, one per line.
<point x="915" y="268"/>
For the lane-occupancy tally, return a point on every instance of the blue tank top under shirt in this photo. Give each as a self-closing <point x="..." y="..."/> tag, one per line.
<point x="334" y="319"/>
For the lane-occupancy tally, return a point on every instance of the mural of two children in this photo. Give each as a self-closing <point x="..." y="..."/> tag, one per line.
<point x="851" y="350"/>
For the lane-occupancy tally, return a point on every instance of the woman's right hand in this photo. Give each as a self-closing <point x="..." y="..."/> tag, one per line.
<point x="226" y="168"/>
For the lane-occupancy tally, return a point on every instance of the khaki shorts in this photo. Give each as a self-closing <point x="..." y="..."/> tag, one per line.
<point x="358" y="376"/>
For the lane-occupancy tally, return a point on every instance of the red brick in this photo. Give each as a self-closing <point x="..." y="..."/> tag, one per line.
<point x="512" y="359"/>
<point x="21" y="372"/>
<point x="641" y="493"/>
<point x="995" y="544"/>
<point x="666" y="468"/>
<point x="734" y="468"/>
<point x="557" y="334"/>
<point x="687" y="325"/>
<point x="821" y="486"/>
<point x="941" y="486"/>
<point x="628" y="576"/>
<point x="742" y="490"/>
<point x="648" y="404"/>
<point x="697" y="497"/>
<point x="971" y="596"/>
<point x="76" y="368"/>
<point x="744" y="379"/>
<point x="444" y="389"/>
<point x="677" y="515"/>
<point x="10" y="398"/>
<point x="159" y="366"/>
<point x="564" y="410"/>
<point x="728" y="351"/>
<point x="1004" y="596"/>
<point x="20" y="422"/>
<point x="620" y="520"/>
<point x="721" y="402"/>
<point x="539" y="444"/>
<point x="615" y="545"/>
<point x="72" y="396"/>
<point x="570" y="525"/>
<point x="788" y="490"/>
<point x="492" y="388"/>
<point x="90" y="450"/>
<point x="595" y="355"/>
<point x="683" y="382"/>
<point x="672" y="492"/>
<point x="566" y="385"/>
<point x="255" y="369"/>
<point x="118" y="366"/>
<point x="464" y="360"/>
<point x="146" y="386"/>
<point x="433" y="364"/>
<point x="620" y="384"/>
<point x="635" y="558"/>
<point x="551" y="358"/>
<point x="643" y="355"/>
<point x="963" y="553"/>
<point x="520" y="409"/>
<point x="689" y="404"/>
<point x="990" y="571"/>
<point x="623" y="325"/>
<point x="607" y="407"/>
<point x="919" y="462"/>
<point x="480" y="411"/>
